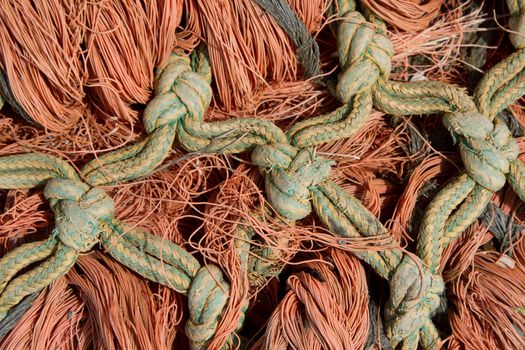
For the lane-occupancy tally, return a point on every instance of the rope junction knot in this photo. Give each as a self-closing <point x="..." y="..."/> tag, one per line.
<point x="486" y="148"/>
<point x="415" y="295"/>
<point x="290" y="173"/>
<point x="365" y="54"/>
<point x="179" y="93"/>
<point x="78" y="211"/>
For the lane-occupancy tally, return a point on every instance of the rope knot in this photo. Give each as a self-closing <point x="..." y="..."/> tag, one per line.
<point x="415" y="295"/>
<point x="78" y="210"/>
<point x="207" y="298"/>
<point x="290" y="175"/>
<point x="178" y="91"/>
<point x="365" y="54"/>
<point x="486" y="148"/>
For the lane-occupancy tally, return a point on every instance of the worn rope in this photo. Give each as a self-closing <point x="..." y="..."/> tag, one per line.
<point x="489" y="153"/>
<point x="84" y="217"/>
<point x="296" y="180"/>
<point x="487" y="148"/>
<point x="365" y="55"/>
<point x="182" y="95"/>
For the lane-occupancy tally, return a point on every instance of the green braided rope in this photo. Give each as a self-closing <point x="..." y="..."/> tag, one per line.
<point x="21" y="257"/>
<point x="501" y="85"/>
<point x="364" y="55"/>
<point x="163" y="249"/>
<point x="356" y="213"/>
<point x="36" y="279"/>
<point x="516" y="178"/>
<point x="467" y="213"/>
<point x="435" y="218"/>
<point x="144" y="264"/>
<point x="139" y="160"/>
<point x="30" y="170"/>
<point x="341" y="123"/>
<point x="426" y="97"/>
<point x="177" y="112"/>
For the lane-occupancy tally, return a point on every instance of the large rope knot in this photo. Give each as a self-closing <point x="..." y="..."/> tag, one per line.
<point x="486" y="148"/>
<point x="415" y="295"/>
<point x="365" y="54"/>
<point x="78" y="211"/>
<point x="179" y="91"/>
<point x="207" y="298"/>
<point x="290" y="175"/>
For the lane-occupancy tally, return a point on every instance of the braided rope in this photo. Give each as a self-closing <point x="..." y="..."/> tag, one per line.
<point x="294" y="176"/>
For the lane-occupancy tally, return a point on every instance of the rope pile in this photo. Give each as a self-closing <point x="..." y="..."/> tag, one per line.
<point x="299" y="186"/>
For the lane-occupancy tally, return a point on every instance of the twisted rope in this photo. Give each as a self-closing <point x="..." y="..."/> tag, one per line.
<point x="365" y="54"/>
<point x="84" y="217"/>
<point x="487" y="148"/>
<point x="296" y="180"/>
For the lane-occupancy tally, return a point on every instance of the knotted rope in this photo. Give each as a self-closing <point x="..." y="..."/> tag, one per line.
<point x="414" y="297"/>
<point x="84" y="217"/>
<point x="488" y="152"/>
<point x="182" y="95"/>
<point x="365" y="55"/>
<point x="296" y="181"/>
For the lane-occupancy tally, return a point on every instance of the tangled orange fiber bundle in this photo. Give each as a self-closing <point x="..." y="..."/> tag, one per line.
<point x="101" y="305"/>
<point x="41" y="47"/>
<point x="326" y="307"/>
<point x="488" y="300"/>
<point x="409" y="15"/>
<point x="248" y="50"/>
<point x="198" y="201"/>
<point x="144" y="32"/>
<point x="55" y="53"/>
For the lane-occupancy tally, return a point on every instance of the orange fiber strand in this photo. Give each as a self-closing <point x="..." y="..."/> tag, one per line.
<point x="488" y="304"/>
<point x="281" y="102"/>
<point x="144" y="32"/>
<point x="408" y="15"/>
<point x="459" y="256"/>
<point x="326" y="307"/>
<point x="40" y="45"/>
<point x="21" y="215"/>
<point x="439" y="44"/>
<point x="430" y="169"/>
<point x="248" y="49"/>
<point x="232" y="205"/>
<point x="375" y="151"/>
<point x="58" y="56"/>
<point x="53" y="322"/>
<point x="120" y="306"/>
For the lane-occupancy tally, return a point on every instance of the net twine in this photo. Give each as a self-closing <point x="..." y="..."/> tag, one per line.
<point x="296" y="179"/>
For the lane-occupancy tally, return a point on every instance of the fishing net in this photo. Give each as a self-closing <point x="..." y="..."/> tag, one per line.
<point x="262" y="174"/>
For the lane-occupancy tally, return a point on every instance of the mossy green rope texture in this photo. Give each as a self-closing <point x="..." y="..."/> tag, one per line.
<point x="182" y="95"/>
<point x="296" y="180"/>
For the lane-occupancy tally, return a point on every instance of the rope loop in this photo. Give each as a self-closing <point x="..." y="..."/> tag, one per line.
<point x="365" y="54"/>
<point x="486" y="148"/>
<point x="290" y="173"/>
<point x="207" y="299"/>
<point x="78" y="211"/>
<point x="415" y="295"/>
<point x="178" y="92"/>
